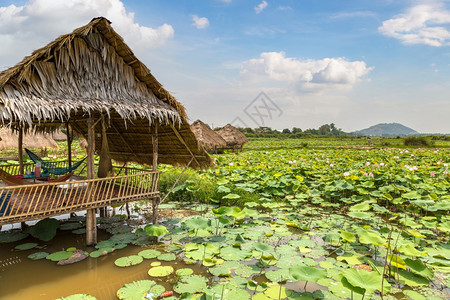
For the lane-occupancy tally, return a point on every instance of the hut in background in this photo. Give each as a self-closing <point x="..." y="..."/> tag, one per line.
<point x="9" y="140"/>
<point x="234" y="138"/>
<point x="58" y="135"/>
<point x="208" y="138"/>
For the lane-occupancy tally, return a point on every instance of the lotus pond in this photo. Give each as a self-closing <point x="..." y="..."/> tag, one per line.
<point x="280" y="224"/>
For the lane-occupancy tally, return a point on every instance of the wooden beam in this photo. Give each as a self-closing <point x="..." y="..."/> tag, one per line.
<point x="124" y="141"/>
<point x="180" y="138"/>
<point x="91" y="220"/>
<point x="69" y="144"/>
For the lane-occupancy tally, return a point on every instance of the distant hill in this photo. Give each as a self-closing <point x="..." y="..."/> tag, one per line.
<point x="386" y="129"/>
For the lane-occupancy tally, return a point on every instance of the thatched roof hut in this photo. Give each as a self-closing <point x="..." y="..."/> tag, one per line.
<point x="208" y="138"/>
<point x="9" y="140"/>
<point x="232" y="136"/>
<point x="91" y="75"/>
<point x="58" y="135"/>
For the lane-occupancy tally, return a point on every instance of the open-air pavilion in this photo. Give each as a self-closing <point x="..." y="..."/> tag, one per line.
<point x="91" y="82"/>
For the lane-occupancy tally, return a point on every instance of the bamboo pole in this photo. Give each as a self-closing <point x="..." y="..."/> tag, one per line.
<point x="91" y="221"/>
<point x="69" y="144"/>
<point x="20" y="147"/>
<point x="155" y="201"/>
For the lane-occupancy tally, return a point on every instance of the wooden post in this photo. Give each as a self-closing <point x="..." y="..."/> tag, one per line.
<point x="20" y="147"/>
<point x="69" y="144"/>
<point x="91" y="221"/>
<point x="155" y="202"/>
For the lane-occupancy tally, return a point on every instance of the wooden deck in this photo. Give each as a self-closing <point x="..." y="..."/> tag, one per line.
<point x="42" y="200"/>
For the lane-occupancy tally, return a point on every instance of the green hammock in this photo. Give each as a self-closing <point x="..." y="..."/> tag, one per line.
<point x="48" y="167"/>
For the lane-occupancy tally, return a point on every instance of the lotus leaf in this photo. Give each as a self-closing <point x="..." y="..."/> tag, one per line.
<point x="136" y="290"/>
<point x="45" y="230"/>
<point x="369" y="282"/>
<point x="411" y="279"/>
<point x="127" y="261"/>
<point x="184" y="272"/>
<point x="11" y="237"/>
<point x="149" y="253"/>
<point x="78" y="297"/>
<point x="107" y="243"/>
<point x="101" y="252"/>
<point x="38" y="255"/>
<point x="190" y="284"/>
<point x="196" y="223"/>
<point x="156" y="230"/>
<point x="70" y="226"/>
<point x="419" y="268"/>
<point x="60" y="255"/>
<point x="26" y="246"/>
<point x="167" y="257"/>
<point x="306" y="273"/>
<point x="160" y="271"/>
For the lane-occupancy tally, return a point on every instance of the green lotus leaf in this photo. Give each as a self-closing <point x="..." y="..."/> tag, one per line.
<point x="190" y="284"/>
<point x="306" y="273"/>
<point x="60" y="255"/>
<point x="79" y="231"/>
<point x="136" y="290"/>
<point x="45" y="229"/>
<point x="348" y="236"/>
<point x="119" y="229"/>
<point x="155" y="263"/>
<point x="371" y="237"/>
<point x="254" y="286"/>
<point x="184" y="272"/>
<point x="367" y="281"/>
<point x="101" y="252"/>
<point x="419" y="268"/>
<point x="262" y="247"/>
<point x="279" y="275"/>
<point x="38" y="255"/>
<point x="363" y="206"/>
<point x="11" y="237"/>
<point x="70" y="226"/>
<point x="167" y="257"/>
<point x="414" y="295"/>
<point x="222" y="211"/>
<point x="411" y="279"/>
<point x="231" y="196"/>
<point x="78" y="297"/>
<point x="396" y="261"/>
<point x="26" y="246"/>
<point x="123" y="238"/>
<point x="276" y="292"/>
<point x="196" y="223"/>
<point x="156" y="230"/>
<point x="360" y="215"/>
<point x="127" y="261"/>
<point x="107" y="243"/>
<point x="149" y="253"/>
<point x="160" y="271"/>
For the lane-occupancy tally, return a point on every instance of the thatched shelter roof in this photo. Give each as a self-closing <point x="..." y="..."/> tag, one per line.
<point x="58" y="135"/>
<point x="208" y="138"/>
<point x="9" y="140"/>
<point x="91" y="72"/>
<point x="232" y="135"/>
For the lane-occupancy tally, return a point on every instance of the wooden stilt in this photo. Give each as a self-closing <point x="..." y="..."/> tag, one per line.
<point x="155" y="201"/>
<point x="20" y="147"/>
<point x="69" y="144"/>
<point x="91" y="221"/>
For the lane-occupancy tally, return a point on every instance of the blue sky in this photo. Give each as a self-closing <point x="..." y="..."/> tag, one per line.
<point x="353" y="63"/>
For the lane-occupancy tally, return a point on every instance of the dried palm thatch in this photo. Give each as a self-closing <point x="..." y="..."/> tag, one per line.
<point x="91" y="72"/>
<point x="208" y="138"/>
<point x="9" y="140"/>
<point x="58" y="135"/>
<point x="232" y="136"/>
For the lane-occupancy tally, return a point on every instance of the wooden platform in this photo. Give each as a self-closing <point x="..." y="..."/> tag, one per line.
<point x="37" y="201"/>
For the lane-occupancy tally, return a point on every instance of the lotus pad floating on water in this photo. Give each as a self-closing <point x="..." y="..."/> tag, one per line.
<point x="60" y="255"/>
<point x="11" y="237"/>
<point x="78" y="297"/>
<point x="155" y="230"/>
<point x="149" y="253"/>
<point x="128" y="261"/>
<point x="70" y="226"/>
<point x="38" y="255"/>
<point x="184" y="272"/>
<point x="190" y="284"/>
<point x="138" y="290"/>
<point x="167" y="257"/>
<point x="160" y="271"/>
<point x="26" y="246"/>
<point x="45" y="230"/>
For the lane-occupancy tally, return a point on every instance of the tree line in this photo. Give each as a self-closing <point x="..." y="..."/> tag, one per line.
<point x="326" y="130"/>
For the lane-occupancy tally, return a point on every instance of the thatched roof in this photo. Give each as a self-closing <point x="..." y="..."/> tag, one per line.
<point x="232" y="135"/>
<point x="9" y="140"/>
<point x="92" y="72"/>
<point x="208" y="138"/>
<point x="58" y="135"/>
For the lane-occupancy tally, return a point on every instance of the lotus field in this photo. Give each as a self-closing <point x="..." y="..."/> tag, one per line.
<point x="293" y="224"/>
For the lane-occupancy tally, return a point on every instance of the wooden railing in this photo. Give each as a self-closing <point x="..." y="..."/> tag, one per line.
<point x="35" y="201"/>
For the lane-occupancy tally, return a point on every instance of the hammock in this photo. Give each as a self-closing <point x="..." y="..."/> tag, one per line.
<point x="48" y="167"/>
<point x="14" y="181"/>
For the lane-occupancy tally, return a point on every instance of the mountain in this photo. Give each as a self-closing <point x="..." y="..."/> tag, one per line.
<point x="387" y="129"/>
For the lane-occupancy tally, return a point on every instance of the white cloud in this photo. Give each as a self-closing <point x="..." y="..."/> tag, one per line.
<point x="338" y="73"/>
<point x="260" y="7"/>
<point x="200" y="23"/>
<point x="39" y="21"/>
<point x="421" y="24"/>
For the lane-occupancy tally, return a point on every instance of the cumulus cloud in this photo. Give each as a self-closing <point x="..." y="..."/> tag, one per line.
<point x="312" y="74"/>
<point x="260" y="7"/>
<point x="200" y="23"/>
<point x="44" y="20"/>
<point x="421" y="24"/>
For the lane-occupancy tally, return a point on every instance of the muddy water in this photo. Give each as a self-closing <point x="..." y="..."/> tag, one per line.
<point x="23" y="278"/>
